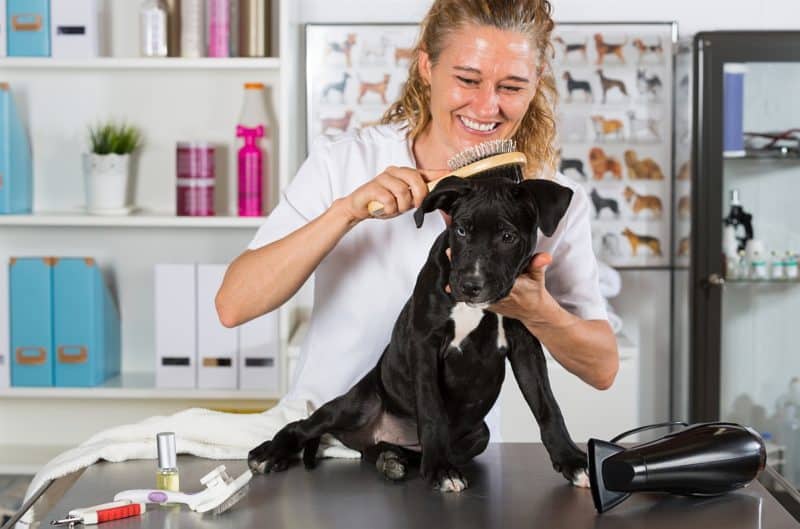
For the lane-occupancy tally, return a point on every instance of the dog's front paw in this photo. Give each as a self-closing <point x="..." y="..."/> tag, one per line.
<point x="392" y="465"/>
<point x="274" y="455"/>
<point x="573" y="465"/>
<point x="450" y="480"/>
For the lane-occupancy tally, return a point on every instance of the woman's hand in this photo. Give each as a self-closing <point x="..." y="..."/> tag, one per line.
<point x="529" y="300"/>
<point x="398" y="189"/>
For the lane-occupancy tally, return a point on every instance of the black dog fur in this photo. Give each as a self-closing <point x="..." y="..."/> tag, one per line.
<point x="426" y="399"/>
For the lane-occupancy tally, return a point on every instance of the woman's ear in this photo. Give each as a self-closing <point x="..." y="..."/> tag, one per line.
<point x="424" y="66"/>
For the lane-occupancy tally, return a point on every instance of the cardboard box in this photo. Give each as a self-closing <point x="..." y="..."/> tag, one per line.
<point x="5" y="335"/>
<point x="75" y="29"/>
<point x="86" y="325"/>
<point x="16" y="169"/>
<point x="217" y="345"/>
<point x="28" y="28"/>
<point x="3" y="30"/>
<point x="176" y="325"/>
<point x="31" y="294"/>
<point x="259" y="354"/>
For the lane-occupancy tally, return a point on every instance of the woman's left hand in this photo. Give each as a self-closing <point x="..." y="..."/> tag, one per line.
<point x="529" y="300"/>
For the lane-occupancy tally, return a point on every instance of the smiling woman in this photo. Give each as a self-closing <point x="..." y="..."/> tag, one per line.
<point x="481" y="72"/>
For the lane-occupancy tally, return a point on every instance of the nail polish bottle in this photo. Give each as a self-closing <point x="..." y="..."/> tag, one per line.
<point x="167" y="475"/>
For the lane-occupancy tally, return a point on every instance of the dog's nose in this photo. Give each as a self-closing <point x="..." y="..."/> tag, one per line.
<point x="472" y="287"/>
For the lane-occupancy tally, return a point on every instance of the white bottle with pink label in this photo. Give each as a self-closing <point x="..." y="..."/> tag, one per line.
<point x="252" y="159"/>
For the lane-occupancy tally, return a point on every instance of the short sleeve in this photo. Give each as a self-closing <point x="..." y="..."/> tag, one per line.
<point x="573" y="277"/>
<point x="304" y="199"/>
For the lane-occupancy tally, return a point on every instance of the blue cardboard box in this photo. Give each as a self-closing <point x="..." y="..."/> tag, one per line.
<point x="28" y="28"/>
<point x="86" y="332"/>
<point x="31" y="304"/>
<point x="16" y="170"/>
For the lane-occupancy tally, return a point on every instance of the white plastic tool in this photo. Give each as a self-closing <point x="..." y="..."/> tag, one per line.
<point x="221" y="493"/>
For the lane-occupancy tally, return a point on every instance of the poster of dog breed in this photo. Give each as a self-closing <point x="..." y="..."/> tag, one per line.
<point x="615" y="87"/>
<point x="353" y="73"/>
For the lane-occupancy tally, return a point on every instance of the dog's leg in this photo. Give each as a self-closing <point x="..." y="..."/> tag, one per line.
<point x="347" y="413"/>
<point x="470" y="446"/>
<point x="391" y="460"/>
<point x="528" y="363"/>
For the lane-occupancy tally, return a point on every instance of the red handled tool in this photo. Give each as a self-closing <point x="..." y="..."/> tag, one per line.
<point x="101" y="513"/>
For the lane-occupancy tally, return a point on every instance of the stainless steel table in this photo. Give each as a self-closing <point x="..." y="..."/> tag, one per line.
<point x="511" y="485"/>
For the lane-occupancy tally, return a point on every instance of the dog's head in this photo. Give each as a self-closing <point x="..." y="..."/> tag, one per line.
<point x="493" y="230"/>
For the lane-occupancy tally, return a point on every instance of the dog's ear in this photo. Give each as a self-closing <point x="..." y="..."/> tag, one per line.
<point x="551" y="201"/>
<point x="443" y="196"/>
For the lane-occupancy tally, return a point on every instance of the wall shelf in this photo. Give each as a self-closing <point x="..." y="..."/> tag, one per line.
<point x="138" y="386"/>
<point x="141" y="63"/>
<point x="141" y="219"/>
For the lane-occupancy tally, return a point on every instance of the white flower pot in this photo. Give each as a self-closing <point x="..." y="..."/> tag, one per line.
<point x="106" y="179"/>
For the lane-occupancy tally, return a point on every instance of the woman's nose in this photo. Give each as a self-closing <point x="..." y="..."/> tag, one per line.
<point x="487" y="102"/>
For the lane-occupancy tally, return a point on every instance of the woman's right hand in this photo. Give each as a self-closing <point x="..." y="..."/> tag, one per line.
<point x="398" y="189"/>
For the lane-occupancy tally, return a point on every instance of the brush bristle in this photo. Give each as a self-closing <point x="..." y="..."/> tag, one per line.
<point x="481" y="151"/>
<point x="230" y="502"/>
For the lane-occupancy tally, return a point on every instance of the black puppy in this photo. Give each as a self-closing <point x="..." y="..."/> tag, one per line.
<point x="426" y="399"/>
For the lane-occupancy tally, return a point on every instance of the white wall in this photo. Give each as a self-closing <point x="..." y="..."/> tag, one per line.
<point x="692" y="15"/>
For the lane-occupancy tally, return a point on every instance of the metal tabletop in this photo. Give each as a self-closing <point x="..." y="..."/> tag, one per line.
<point x="511" y="485"/>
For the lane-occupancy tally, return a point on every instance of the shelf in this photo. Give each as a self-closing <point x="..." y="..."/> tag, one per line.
<point x="141" y="219"/>
<point x="141" y="63"/>
<point x="136" y="386"/>
<point x="26" y="460"/>
<point x="762" y="281"/>
<point x="786" y="154"/>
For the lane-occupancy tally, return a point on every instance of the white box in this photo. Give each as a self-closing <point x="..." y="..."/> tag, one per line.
<point x="5" y="335"/>
<point x="176" y="325"/>
<point x="217" y="346"/>
<point x="3" y="32"/>
<point x="259" y="354"/>
<point x="74" y="29"/>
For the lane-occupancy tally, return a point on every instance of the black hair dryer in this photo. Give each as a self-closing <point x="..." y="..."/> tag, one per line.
<point x="701" y="459"/>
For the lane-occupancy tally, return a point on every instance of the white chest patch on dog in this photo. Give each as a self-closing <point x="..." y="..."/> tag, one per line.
<point x="466" y="318"/>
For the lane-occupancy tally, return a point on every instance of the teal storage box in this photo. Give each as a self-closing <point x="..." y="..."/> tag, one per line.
<point x="28" y="24"/>
<point x="31" y="308"/>
<point x="16" y="171"/>
<point x="86" y="331"/>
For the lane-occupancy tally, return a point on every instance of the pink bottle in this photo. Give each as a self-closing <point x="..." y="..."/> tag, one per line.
<point x="251" y="172"/>
<point x="219" y="28"/>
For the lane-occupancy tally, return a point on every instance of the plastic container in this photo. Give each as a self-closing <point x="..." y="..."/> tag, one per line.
<point x="153" y="28"/>
<point x="219" y="12"/>
<point x="194" y="164"/>
<point x="252" y="159"/>
<point x="192" y="28"/>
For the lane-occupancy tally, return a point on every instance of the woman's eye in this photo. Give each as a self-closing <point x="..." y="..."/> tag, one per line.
<point x="511" y="88"/>
<point x="508" y="237"/>
<point x="466" y="80"/>
<point x="460" y="231"/>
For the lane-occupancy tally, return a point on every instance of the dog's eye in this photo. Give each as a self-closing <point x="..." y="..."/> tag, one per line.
<point x="460" y="231"/>
<point x="509" y="237"/>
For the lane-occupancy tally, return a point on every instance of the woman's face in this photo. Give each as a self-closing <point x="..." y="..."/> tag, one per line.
<point x="481" y="87"/>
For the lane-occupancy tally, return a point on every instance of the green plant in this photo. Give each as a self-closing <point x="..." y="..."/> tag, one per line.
<point x="113" y="138"/>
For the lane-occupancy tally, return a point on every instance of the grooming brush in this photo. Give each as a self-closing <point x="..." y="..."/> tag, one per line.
<point x="490" y="158"/>
<point x="221" y="493"/>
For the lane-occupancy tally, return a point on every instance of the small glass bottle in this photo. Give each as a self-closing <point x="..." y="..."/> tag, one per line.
<point x="776" y="267"/>
<point x="167" y="475"/>
<point x="758" y="267"/>
<point x="743" y="265"/>
<point x="790" y="266"/>
<point x="153" y="28"/>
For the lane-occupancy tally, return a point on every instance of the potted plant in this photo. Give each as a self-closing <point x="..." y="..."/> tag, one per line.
<point x="107" y="167"/>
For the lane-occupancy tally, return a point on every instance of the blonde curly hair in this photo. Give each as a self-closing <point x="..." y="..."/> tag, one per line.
<point x="536" y="133"/>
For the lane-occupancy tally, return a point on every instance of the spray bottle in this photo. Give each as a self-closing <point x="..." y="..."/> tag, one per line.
<point x="252" y="159"/>
<point x="251" y="170"/>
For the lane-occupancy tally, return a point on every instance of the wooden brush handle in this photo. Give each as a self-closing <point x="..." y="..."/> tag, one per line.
<point x="375" y="208"/>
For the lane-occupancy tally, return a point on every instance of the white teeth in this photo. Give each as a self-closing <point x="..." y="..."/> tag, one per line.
<point x="474" y="125"/>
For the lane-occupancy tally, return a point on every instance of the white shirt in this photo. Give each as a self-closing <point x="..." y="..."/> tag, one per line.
<point x="363" y="283"/>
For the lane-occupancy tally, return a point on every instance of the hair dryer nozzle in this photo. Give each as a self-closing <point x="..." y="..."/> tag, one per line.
<point x="604" y="499"/>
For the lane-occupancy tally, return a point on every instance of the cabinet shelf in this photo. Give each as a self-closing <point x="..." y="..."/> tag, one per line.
<point x="762" y="281"/>
<point x="141" y="219"/>
<point x="141" y="63"/>
<point x="135" y="386"/>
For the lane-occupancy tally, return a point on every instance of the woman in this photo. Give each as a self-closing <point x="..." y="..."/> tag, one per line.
<point x="480" y="73"/>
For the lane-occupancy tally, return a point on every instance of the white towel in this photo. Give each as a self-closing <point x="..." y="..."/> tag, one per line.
<point x="200" y="432"/>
